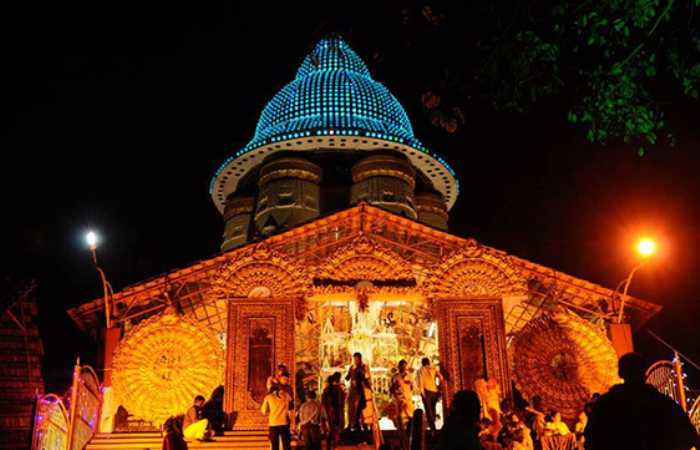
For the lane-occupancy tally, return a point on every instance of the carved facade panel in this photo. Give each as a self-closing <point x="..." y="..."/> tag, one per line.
<point x="475" y="272"/>
<point x="258" y="269"/>
<point x="364" y="259"/>
<point x="471" y="336"/>
<point x="260" y="336"/>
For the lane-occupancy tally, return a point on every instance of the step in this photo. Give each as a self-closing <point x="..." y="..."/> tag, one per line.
<point x="233" y="440"/>
<point x="147" y="434"/>
<point x="216" y="445"/>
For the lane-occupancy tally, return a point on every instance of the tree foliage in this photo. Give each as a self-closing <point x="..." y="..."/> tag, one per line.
<point x="613" y="60"/>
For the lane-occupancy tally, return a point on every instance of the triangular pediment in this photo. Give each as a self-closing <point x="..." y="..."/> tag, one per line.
<point x="365" y="241"/>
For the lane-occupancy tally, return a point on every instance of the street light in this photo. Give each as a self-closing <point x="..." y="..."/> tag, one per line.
<point x="646" y="248"/>
<point x="92" y="239"/>
<point x="111" y="339"/>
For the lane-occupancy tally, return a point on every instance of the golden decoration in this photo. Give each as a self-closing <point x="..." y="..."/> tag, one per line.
<point x="475" y="272"/>
<point x="455" y="318"/>
<point x="162" y="364"/>
<point x="364" y="259"/>
<point x="564" y="360"/>
<point x="246" y="316"/>
<point x="695" y="414"/>
<point x="258" y="271"/>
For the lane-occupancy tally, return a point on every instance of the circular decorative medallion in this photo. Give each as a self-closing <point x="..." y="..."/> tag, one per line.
<point x="162" y="364"/>
<point x="564" y="360"/>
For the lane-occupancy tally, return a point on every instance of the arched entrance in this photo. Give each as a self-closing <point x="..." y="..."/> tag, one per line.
<point x="367" y="299"/>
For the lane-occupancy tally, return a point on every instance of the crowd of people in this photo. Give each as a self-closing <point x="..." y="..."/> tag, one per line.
<point x="632" y="415"/>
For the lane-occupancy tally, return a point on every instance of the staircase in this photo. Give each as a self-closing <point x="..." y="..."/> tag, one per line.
<point x="232" y="440"/>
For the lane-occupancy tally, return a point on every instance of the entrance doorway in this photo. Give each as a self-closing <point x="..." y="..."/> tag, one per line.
<point x="260" y="336"/>
<point x="472" y="342"/>
<point x="383" y="329"/>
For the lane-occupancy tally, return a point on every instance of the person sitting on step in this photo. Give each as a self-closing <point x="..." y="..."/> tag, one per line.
<point x="194" y="425"/>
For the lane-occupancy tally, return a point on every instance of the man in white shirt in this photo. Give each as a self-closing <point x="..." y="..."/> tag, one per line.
<point x="311" y="420"/>
<point x="277" y="405"/>
<point x="427" y="375"/>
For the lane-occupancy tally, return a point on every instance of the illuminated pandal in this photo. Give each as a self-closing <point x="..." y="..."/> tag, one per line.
<point x="162" y="364"/>
<point x="563" y="360"/>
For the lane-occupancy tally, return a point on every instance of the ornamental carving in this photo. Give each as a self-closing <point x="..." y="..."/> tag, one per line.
<point x="473" y="271"/>
<point x="161" y="365"/>
<point x="259" y="337"/>
<point x="564" y="360"/>
<point x="258" y="271"/>
<point x="365" y="259"/>
<point x="471" y="336"/>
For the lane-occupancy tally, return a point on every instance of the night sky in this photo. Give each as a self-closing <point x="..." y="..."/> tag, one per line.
<point x="116" y="117"/>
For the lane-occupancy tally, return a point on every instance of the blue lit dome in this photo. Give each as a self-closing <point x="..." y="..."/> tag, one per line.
<point x="332" y="98"/>
<point x="333" y="90"/>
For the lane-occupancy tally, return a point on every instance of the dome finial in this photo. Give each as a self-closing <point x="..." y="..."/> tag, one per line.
<point x="332" y="53"/>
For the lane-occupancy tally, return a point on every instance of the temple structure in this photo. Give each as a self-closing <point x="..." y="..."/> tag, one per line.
<point x="335" y="241"/>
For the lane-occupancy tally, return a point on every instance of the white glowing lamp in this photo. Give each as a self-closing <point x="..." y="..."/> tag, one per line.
<point x="91" y="239"/>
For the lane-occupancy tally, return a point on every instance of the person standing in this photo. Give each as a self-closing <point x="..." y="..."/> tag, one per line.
<point x="194" y="425"/>
<point x="489" y="393"/>
<point x="312" y="419"/>
<point x="359" y="377"/>
<point x="213" y="411"/>
<point x="333" y="401"/>
<point x="461" y="430"/>
<point x="277" y="405"/>
<point x="539" y="417"/>
<point x="402" y="390"/>
<point x="281" y="379"/>
<point x="634" y="415"/>
<point x="429" y="391"/>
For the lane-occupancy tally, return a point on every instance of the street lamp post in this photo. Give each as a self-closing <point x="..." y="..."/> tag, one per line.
<point x="623" y="299"/>
<point x="111" y="340"/>
<point x="620" y="333"/>
<point x="91" y="238"/>
<point x="645" y="248"/>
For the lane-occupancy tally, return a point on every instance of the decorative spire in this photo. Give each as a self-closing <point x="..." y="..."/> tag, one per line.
<point x="332" y="53"/>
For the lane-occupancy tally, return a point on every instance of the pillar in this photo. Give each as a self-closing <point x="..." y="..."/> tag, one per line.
<point x="289" y="194"/>
<point x="386" y="181"/>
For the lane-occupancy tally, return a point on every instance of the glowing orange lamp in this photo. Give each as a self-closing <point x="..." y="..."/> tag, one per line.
<point x="646" y="248"/>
